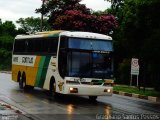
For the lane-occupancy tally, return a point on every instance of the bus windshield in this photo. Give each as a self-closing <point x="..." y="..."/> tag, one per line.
<point x="87" y="58"/>
<point x="89" y="65"/>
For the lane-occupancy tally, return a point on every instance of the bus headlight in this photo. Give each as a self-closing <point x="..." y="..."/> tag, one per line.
<point x="73" y="90"/>
<point x="107" y="90"/>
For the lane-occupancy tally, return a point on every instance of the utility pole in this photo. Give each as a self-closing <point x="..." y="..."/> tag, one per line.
<point x="42" y="15"/>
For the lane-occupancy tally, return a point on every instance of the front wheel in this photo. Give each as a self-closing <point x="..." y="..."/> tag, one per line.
<point x="92" y="98"/>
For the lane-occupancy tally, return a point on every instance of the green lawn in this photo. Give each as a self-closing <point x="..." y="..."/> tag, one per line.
<point x="128" y="89"/>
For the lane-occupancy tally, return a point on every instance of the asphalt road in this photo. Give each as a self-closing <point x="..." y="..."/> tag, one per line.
<point x="38" y="105"/>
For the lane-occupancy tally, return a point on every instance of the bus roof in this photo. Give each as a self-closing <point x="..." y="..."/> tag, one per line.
<point x="57" y="33"/>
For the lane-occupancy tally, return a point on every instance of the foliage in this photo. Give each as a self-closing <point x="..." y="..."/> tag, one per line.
<point x="6" y="41"/>
<point x="7" y="28"/>
<point x="7" y="34"/>
<point x="71" y="15"/>
<point x="5" y="59"/>
<point x="76" y="20"/>
<point x="32" y="25"/>
<point x="123" y="72"/>
<point x="116" y="5"/>
<point x="54" y="8"/>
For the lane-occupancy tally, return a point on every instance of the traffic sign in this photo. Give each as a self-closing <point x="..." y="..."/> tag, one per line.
<point x="134" y="66"/>
<point x="134" y="69"/>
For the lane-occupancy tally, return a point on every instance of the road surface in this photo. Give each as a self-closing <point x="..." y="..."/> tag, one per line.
<point x="39" y="106"/>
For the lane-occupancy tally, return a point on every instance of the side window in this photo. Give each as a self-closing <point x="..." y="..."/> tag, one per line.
<point x="30" y="45"/>
<point x="45" y="45"/>
<point x="36" y="46"/>
<point x="19" y="46"/>
<point x="53" y="45"/>
<point x="33" y="46"/>
<point x="63" y="42"/>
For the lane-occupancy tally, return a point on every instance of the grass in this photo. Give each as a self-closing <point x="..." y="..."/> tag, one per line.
<point x="128" y="89"/>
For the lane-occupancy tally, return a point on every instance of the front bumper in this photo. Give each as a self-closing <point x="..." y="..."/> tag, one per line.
<point x="89" y="90"/>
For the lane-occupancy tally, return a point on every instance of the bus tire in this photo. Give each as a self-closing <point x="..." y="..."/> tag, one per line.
<point x="92" y="98"/>
<point x="22" y="81"/>
<point x="52" y="87"/>
<point x="19" y="79"/>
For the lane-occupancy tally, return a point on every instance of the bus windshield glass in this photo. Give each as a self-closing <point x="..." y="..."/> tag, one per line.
<point x="89" y="65"/>
<point x="90" y="44"/>
<point x="87" y="58"/>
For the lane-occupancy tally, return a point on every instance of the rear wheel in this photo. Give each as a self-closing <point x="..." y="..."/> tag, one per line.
<point x="22" y="81"/>
<point x="92" y="98"/>
<point x="19" y="80"/>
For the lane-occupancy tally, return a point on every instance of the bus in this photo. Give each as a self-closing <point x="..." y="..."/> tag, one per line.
<point x="65" y="62"/>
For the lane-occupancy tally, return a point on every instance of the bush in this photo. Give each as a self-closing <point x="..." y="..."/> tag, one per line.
<point x="6" y="42"/>
<point x="123" y="76"/>
<point x="5" y="59"/>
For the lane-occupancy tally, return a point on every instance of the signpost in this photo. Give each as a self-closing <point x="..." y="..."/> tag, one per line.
<point x="134" y="69"/>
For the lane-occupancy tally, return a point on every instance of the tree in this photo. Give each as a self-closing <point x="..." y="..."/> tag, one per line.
<point x="32" y="25"/>
<point x="76" y="20"/>
<point x="116" y="5"/>
<point x="7" y="28"/>
<point x="71" y="15"/>
<point x="148" y="24"/>
<point x="7" y="33"/>
<point x="54" y="8"/>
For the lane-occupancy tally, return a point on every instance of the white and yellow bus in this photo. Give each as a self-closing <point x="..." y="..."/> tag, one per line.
<point x="66" y="62"/>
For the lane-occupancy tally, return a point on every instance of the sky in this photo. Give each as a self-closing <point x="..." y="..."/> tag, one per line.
<point x="14" y="9"/>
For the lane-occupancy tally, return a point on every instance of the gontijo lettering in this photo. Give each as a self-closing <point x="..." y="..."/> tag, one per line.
<point x="27" y="59"/>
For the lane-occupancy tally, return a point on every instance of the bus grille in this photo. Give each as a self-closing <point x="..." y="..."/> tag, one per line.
<point x="92" y="83"/>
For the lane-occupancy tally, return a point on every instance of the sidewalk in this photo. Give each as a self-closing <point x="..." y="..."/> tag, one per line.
<point x="8" y="112"/>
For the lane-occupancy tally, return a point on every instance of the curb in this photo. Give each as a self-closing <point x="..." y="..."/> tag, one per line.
<point x="150" y="98"/>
